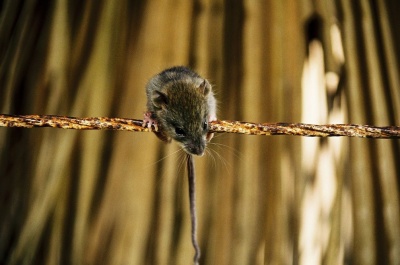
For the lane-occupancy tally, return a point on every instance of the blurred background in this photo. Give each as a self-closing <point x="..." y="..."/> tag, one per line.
<point x="103" y="197"/>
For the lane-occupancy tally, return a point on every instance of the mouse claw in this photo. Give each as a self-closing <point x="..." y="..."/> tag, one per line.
<point x="147" y="120"/>
<point x="209" y="136"/>
<point x="211" y="118"/>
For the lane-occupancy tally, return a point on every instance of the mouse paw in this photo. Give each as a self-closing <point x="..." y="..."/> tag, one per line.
<point x="147" y="120"/>
<point x="211" y="118"/>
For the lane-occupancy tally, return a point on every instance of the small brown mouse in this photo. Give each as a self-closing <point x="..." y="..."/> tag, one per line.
<point x="183" y="104"/>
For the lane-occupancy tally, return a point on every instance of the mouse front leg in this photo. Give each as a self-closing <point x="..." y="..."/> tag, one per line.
<point x="149" y="121"/>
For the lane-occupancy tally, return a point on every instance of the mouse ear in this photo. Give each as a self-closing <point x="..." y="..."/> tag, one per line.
<point x="205" y="87"/>
<point x="159" y="99"/>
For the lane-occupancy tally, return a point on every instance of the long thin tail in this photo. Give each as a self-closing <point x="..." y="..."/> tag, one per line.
<point x="192" y="200"/>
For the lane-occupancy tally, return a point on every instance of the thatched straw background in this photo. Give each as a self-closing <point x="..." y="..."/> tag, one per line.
<point x="72" y="197"/>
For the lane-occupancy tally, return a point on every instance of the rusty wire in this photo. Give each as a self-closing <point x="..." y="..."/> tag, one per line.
<point x="125" y="124"/>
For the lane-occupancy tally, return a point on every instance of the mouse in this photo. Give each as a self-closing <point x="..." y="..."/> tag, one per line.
<point x="180" y="106"/>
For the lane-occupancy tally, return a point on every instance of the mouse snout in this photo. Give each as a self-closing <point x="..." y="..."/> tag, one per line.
<point x="195" y="148"/>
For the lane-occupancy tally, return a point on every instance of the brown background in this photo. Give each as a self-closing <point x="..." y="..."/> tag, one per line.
<point x="72" y="197"/>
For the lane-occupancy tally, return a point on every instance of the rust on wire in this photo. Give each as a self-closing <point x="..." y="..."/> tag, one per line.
<point x="302" y="129"/>
<point x="64" y="122"/>
<point x="124" y="124"/>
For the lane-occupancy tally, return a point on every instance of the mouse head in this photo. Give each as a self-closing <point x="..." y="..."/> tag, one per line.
<point x="182" y="110"/>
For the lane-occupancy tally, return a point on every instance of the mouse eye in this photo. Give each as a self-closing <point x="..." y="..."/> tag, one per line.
<point x="179" y="132"/>
<point x="205" y="126"/>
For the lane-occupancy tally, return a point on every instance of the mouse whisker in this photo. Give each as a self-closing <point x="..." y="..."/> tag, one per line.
<point x="234" y="151"/>
<point x="181" y="161"/>
<point x="163" y="158"/>
<point x="214" y="154"/>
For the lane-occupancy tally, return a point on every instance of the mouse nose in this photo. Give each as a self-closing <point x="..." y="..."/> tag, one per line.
<point x="196" y="149"/>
